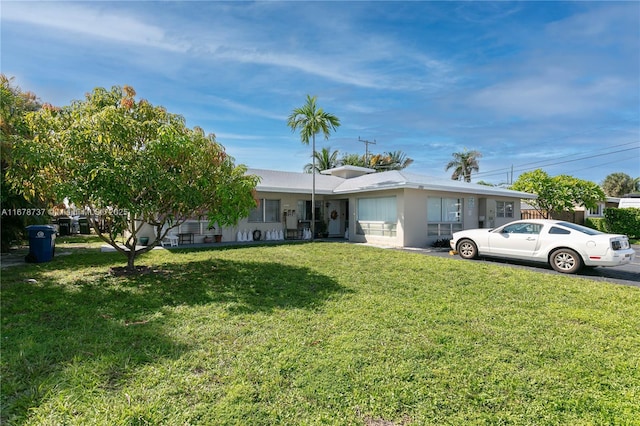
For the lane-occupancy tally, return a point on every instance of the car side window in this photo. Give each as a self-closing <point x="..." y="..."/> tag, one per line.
<point x="559" y="231"/>
<point x="522" y="228"/>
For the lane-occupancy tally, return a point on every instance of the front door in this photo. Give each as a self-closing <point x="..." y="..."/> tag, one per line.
<point x="335" y="219"/>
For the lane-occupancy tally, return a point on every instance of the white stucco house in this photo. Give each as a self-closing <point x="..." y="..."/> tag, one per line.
<point x="394" y="208"/>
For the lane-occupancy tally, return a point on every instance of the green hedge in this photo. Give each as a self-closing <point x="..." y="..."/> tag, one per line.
<point x="623" y="221"/>
<point x="597" y="223"/>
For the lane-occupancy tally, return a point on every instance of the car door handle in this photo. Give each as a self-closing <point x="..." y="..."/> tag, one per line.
<point x="531" y="239"/>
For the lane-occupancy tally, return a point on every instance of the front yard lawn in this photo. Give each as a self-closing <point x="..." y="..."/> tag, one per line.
<point x="317" y="333"/>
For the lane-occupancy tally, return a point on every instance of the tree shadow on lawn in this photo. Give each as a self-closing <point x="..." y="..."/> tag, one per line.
<point x="53" y="329"/>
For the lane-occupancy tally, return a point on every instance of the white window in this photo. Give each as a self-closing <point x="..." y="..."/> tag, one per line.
<point x="598" y="211"/>
<point x="266" y="211"/>
<point x="504" y="209"/>
<point x="304" y="209"/>
<point x="377" y="216"/>
<point x="444" y="209"/>
<point x="444" y="216"/>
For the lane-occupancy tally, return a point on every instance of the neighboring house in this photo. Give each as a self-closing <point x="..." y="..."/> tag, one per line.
<point x="630" y="200"/>
<point x="579" y="215"/>
<point x="394" y="208"/>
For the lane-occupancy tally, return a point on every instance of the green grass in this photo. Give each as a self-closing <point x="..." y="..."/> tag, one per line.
<point x="311" y="334"/>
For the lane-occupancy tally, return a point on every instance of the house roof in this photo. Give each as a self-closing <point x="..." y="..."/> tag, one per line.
<point x="327" y="184"/>
<point x="292" y="182"/>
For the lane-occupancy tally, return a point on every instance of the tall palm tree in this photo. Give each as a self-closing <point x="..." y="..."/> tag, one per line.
<point x="312" y="120"/>
<point x="325" y="160"/>
<point x="463" y="164"/>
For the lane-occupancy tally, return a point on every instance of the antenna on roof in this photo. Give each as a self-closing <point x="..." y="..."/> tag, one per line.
<point x="366" y="149"/>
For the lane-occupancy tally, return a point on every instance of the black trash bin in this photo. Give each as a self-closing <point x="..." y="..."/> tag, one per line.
<point x="64" y="225"/>
<point x="83" y="222"/>
<point x="42" y="243"/>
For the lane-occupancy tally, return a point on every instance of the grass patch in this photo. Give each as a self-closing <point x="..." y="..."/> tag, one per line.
<point x="318" y="333"/>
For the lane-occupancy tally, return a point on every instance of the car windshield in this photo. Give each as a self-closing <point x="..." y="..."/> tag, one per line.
<point x="580" y="228"/>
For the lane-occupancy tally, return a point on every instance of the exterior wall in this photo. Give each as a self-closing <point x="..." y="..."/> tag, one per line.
<point x="199" y="229"/>
<point x="411" y="228"/>
<point x="288" y="204"/>
<point x="415" y="218"/>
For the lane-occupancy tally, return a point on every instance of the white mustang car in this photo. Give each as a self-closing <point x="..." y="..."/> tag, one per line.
<point x="563" y="245"/>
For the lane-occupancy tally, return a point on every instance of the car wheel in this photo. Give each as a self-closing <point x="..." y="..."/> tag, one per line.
<point x="566" y="261"/>
<point x="467" y="249"/>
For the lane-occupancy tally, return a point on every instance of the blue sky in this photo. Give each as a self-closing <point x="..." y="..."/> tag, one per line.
<point x="551" y="85"/>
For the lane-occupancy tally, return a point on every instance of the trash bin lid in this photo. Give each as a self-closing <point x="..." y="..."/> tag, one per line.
<point x="41" y="228"/>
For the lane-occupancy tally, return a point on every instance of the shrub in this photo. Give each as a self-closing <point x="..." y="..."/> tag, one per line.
<point x="623" y="221"/>
<point x="597" y="223"/>
<point x="443" y="242"/>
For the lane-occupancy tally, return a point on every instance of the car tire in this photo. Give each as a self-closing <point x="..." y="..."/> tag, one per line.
<point x="467" y="249"/>
<point x="566" y="261"/>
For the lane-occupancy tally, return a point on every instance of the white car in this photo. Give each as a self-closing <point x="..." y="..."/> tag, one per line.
<point x="563" y="245"/>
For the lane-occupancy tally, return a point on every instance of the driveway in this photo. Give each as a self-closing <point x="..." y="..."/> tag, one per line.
<point x="627" y="275"/>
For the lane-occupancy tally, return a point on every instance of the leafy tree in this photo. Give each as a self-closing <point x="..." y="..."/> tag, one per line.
<point x="130" y="162"/>
<point x="325" y="160"/>
<point x="618" y="184"/>
<point x="394" y="160"/>
<point x="312" y="120"/>
<point x="14" y="106"/>
<point x="353" y="160"/>
<point x="463" y="164"/>
<point x="558" y="193"/>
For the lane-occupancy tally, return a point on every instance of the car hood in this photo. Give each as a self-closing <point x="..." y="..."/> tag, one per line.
<point x="469" y="232"/>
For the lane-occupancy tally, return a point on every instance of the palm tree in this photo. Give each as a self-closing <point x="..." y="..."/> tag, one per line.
<point x="325" y="160"/>
<point x="463" y="164"/>
<point x="312" y="120"/>
<point x="395" y="160"/>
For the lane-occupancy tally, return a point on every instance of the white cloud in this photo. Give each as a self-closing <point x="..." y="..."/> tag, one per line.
<point x="91" y="22"/>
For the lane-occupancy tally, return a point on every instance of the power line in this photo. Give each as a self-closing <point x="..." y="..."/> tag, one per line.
<point x="544" y="161"/>
<point x="603" y="164"/>
<point x="521" y="168"/>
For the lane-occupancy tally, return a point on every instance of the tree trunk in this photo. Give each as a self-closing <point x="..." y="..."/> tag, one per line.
<point x="131" y="257"/>
<point x="313" y="190"/>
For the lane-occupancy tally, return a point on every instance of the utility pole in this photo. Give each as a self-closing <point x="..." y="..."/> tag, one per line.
<point x="366" y="149"/>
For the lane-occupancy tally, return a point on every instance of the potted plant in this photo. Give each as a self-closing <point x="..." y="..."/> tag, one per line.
<point x="321" y="229"/>
<point x="216" y="236"/>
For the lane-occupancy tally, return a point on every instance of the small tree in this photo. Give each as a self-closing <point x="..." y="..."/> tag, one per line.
<point x="130" y="162"/>
<point x="15" y="104"/>
<point x="618" y="184"/>
<point x="353" y="160"/>
<point x="558" y="193"/>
